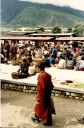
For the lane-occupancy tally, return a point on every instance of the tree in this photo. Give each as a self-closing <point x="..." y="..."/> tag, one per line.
<point x="78" y="30"/>
<point x="41" y="29"/>
<point x="56" y="29"/>
<point x="4" y="32"/>
<point x="69" y="30"/>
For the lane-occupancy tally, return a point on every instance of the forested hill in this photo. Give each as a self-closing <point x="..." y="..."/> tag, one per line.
<point x="20" y="13"/>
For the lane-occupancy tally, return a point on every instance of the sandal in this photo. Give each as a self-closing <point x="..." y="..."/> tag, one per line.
<point x="35" y="119"/>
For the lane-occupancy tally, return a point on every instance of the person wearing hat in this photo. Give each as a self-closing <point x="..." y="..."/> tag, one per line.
<point x="43" y="108"/>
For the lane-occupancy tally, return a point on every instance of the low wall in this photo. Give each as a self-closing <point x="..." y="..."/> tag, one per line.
<point x="31" y="88"/>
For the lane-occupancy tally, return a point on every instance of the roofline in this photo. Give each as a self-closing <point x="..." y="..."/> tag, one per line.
<point x="26" y="38"/>
<point x="52" y="34"/>
<point x="70" y="39"/>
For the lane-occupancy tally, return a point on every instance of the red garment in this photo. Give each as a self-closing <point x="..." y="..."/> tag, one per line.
<point x="57" y="46"/>
<point x="44" y="87"/>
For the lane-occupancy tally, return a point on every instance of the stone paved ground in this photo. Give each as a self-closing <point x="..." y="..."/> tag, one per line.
<point x="17" y="109"/>
<point x="58" y="75"/>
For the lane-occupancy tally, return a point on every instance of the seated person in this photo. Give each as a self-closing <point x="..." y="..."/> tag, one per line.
<point x="80" y="64"/>
<point x="62" y="62"/>
<point x="23" y="70"/>
<point x="46" y="60"/>
<point x="32" y="69"/>
<point x="3" y="59"/>
<point x="69" y="63"/>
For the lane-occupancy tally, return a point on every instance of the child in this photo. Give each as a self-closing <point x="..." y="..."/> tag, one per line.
<point x="23" y="70"/>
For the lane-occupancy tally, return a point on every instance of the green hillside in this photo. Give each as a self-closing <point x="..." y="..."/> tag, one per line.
<point x="18" y="13"/>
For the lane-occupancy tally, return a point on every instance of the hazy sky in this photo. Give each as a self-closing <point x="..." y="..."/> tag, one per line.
<point x="78" y="4"/>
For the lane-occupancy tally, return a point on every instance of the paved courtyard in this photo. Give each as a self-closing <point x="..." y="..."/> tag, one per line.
<point x="17" y="109"/>
<point x="58" y="75"/>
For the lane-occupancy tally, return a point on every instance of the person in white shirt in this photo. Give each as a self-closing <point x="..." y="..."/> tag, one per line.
<point x="62" y="63"/>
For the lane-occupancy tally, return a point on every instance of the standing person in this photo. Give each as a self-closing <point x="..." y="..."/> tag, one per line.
<point x="6" y="50"/>
<point x="43" y="108"/>
<point x="52" y="60"/>
<point x="54" y="52"/>
<point x="13" y="52"/>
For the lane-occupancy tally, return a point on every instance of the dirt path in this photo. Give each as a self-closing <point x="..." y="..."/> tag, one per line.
<point x="17" y="109"/>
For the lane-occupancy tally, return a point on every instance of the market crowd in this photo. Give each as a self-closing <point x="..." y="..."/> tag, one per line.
<point x="63" y="56"/>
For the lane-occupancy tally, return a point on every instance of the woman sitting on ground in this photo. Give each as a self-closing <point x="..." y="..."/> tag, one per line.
<point x="69" y="63"/>
<point x="80" y="64"/>
<point x="62" y="62"/>
<point x="23" y="70"/>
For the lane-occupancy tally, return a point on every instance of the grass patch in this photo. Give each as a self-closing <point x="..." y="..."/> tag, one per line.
<point x="77" y="85"/>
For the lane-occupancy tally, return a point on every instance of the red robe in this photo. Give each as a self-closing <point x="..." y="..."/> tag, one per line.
<point x="44" y="87"/>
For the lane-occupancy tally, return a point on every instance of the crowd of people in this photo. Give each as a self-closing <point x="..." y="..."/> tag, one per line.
<point x="63" y="56"/>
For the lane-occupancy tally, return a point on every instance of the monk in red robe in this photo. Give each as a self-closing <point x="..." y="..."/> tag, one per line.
<point x="43" y="108"/>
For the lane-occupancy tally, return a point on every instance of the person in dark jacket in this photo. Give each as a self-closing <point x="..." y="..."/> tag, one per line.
<point x="52" y="60"/>
<point x="23" y="70"/>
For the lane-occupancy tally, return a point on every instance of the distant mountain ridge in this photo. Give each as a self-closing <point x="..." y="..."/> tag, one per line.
<point x="24" y="13"/>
